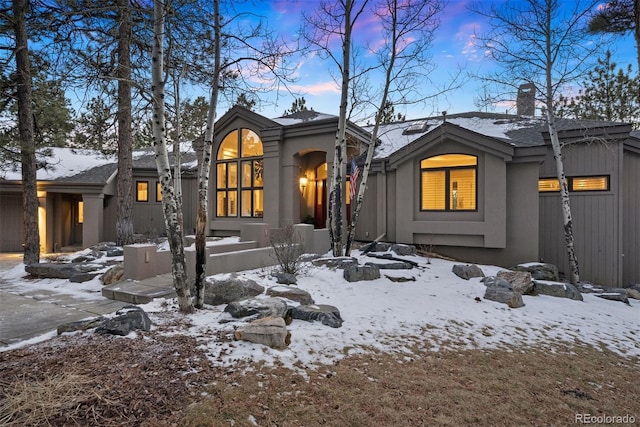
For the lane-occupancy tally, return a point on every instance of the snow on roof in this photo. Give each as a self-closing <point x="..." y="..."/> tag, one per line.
<point x="302" y="117"/>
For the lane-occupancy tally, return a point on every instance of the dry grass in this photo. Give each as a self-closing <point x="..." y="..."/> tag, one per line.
<point x="496" y="387"/>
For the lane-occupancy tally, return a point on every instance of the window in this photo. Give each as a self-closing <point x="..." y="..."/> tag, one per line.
<point x="158" y="192"/>
<point x="576" y="183"/>
<point x="80" y="212"/>
<point x="239" y="175"/>
<point x="142" y="191"/>
<point x="448" y="183"/>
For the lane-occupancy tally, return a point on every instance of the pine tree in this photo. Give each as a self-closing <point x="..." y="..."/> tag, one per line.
<point x="388" y="114"/>
<point x="246" y="102"/>
<point x="298" y="104"/>
<point x="618" y="17"/>
<point x="609" y="93"/>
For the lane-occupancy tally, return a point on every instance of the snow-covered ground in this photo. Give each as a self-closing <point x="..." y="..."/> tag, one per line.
<point x="436" y="311"/>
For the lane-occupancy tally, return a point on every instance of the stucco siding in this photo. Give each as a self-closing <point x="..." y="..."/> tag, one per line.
<point x="631" y="218"/>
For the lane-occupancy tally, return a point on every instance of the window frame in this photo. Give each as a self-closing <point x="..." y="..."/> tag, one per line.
<point x="570" y="184"/>
<point x="447" y="183"/>
<point x="138" y="198"/>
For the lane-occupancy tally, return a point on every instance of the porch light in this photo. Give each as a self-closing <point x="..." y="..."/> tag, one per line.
<point x="303" y="181"/>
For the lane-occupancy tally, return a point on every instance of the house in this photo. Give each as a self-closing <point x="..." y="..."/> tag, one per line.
<point x="479" y="187"/>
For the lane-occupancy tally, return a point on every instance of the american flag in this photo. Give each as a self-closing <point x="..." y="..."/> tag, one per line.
<point x="355" y="171"/>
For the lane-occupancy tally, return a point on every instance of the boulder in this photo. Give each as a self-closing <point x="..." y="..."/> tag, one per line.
<point x="113" y="252"/>
<point x="81" y="325"/>
<point x="633" y="291"/>
<point x="285" y="278"/>
<point x="467" y="271"/>
<point x="615" y="295"/>
<point x="270" y="331"/>
<point x="234" y="288"/>
<point x="52" y="270"/>
<point x="291" y="293"/>
<point x="328" y="315"/>
<point x="340" y="262"/>
<point x="400" y="279"/>
<point x="557" y="289"/>
<point x="82" y="277"/>
<point x="113" y="275"/>
<point x="405" y="250"/>
<point x="588" y="288"/>
<point x="366" y="272"/>
<point x="519" y="280"/>
<point x="258" y="308"/>
<point x="540" y="271"/>
<point x="499" y="290"/>
<point x="391" y="265"/>
<point x="127" y="320"/>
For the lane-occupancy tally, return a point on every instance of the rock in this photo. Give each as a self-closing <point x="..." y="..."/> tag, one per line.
<point x="82" y="277"/>
<point x="381" y="247"/>
<point x="366" y="272"/>
<point x="308" y="257"/>
<point x="81" y="325"/>
<point x="615" y="295"/>
<point x="467" y="271"/>
<point x="234" y="288"/>
<point x="257" y="307"/>
<point x="540" y="271"/>
<point x="406" y="250"/>
<point x="291" y="293"/>
<point x="127" y="320"/>
<point x="519" y="280"/>
<point x="557" y="289"/>
<point x="400" y="279"/>
<point x="270" y="331"/>
<point x="113" y="252"/>
<point x="633" y="291"/>
<point x="391" y="265"/>
<point x="588" y="288"/>
<point x="501" y="291"/>
<point x="285" y="278"/>
<point x="113" y="275"/>
<point x="52" y="270"/>
<point x="83" y="258"/>
<point x="327" y="314"/>
<point x="340" y="262"/>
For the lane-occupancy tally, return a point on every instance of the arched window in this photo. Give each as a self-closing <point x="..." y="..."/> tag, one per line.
<point x="449" y="183"/>
<point x="239" y="175"/>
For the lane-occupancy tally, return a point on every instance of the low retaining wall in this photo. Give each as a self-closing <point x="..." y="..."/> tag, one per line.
<point x="142" y="261"/>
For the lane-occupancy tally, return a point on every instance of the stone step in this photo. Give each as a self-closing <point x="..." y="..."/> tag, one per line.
<point x="141" y="291"/>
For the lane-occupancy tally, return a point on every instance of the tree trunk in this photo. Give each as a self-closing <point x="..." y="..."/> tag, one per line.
<point x="124" y="222"/>
<point x="205" y="167"/>
<point x="172" y="211"/>
<point x="26" y="135"/>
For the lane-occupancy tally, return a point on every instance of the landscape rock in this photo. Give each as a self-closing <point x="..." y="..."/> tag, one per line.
<point x="391" y="265"/>
<point x="52" y="270"/>
<point x="499" y="290"/>
<point x="588" y="288"/>
<point x="291" y="293"/>
<point x="83" y="258"/>
<point x="467" y="271"/>
<point x="113" y="252"/>
<point x="400" y="279"/>
<point x="558" y="289"/>
<point x="113" y="275"/>
<point x="540" y="271"/>
<point x="328" y="315"/>
<point x="340" y="262"/>
<point x="234" y="288"/>
<point x="82" y="277"/>
<point x="81" y="325"/>
<point x="366" y="272"/>
<point x="633" y="291"/>
<point x="381" y="247"/>
<point x="127" y="320"/>
<point x="257" y="307"/>
<point x="285" y="278"/>
<point x="405" y="250"/>
<point x="270" y="331"/>
<point x="520" y="281"/>
<point x="615" y="295"/>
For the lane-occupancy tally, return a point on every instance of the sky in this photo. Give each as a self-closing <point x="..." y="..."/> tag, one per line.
<point x="452" y="49"/>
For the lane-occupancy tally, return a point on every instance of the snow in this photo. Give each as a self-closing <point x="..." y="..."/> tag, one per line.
<point x="436" y="311"/>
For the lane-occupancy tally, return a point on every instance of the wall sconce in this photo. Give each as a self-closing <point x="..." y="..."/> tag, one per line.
<point x="303" y="182"/>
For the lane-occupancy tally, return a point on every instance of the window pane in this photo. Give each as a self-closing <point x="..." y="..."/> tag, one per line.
<point x="548" y="184"/>
<point x="232" y="206"/>
<point x="462" y="191"/>
<point x="80" y="212"/>
<point x="433" y="190"/>
<point x="251" y="144"/>
<point x="142" y="191"/>
<point x="221" y="179"/>
<point x="233" y="175"/>
<point x="158" y="192"/>
<point x="222" y="203"/>
<point x="448" y="161"/>
<point x="593" y="183"/>
<point x="246" y="174"/>
<point x="229" y="147"/>
<point x="246" y="203"/>
<point x="257" y="173"/>
<point x="258" y="203"/>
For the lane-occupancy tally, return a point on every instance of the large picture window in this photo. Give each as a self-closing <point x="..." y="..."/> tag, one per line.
<point x="449" y="183"/>
<point x="239" y="175"/>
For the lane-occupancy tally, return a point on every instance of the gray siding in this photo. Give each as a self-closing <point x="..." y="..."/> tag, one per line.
<point x="596" y="215"/>
<point x="11" y="222"/>
<point x="631" y="215"/>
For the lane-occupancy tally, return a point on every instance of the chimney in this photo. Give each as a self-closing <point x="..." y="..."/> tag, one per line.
<point x="526" y="101"/>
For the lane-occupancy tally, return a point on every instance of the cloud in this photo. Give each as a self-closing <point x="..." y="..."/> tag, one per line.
<point x="319" y="88"/>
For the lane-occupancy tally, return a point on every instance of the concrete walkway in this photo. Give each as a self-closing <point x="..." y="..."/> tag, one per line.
<point x="28" y="314"/>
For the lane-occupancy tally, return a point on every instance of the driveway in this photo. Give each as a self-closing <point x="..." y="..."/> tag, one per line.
<point x="27" y="313"/>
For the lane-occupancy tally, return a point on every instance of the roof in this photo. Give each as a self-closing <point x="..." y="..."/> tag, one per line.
<point x="304" y="116"/>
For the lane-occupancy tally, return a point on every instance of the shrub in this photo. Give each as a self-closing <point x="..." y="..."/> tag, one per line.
<point x="287" y="248"/>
